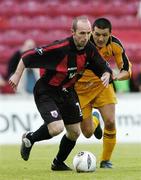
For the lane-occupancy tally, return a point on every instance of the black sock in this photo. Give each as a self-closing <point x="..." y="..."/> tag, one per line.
<point x="39" y="135"/>
<point x="66" y="145"/>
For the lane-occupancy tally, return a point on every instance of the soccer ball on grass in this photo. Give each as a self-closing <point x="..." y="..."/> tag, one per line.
<point x="84" y="161"/>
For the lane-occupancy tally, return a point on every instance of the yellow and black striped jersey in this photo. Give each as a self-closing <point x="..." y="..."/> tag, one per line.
<point x="114" y="53"/>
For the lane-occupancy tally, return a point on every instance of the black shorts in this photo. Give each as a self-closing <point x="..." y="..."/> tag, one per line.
<point x="55" y="103"/>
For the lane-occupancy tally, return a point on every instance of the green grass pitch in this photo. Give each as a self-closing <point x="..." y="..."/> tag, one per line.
<point x="126" y="159"/>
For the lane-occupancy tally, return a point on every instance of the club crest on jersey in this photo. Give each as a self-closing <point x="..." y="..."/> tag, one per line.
<point x="54" y="113"/>
<point x="72" y="72"/>
<point x="39" y="50"/>
<point x="71" y="75"/>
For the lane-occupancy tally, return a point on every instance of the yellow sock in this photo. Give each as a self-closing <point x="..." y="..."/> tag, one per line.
<point x="109" y="141"/>
<point x="95" y="121"/>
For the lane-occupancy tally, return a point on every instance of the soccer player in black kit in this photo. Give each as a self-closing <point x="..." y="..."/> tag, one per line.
<point x="64" y="62"/>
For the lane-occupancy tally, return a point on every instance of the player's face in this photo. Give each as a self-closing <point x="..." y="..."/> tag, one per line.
<point x="82" y="34"/>
<point x="101" y="36"/>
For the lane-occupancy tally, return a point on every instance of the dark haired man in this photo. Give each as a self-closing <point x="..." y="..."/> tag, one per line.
<point x="92" y="93"/>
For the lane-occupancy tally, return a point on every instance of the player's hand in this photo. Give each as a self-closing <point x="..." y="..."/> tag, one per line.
<point x="105" y="79"/>
<point x="14" y="81"/>
<point x="123" y="75"/>
<point x="15" y="78"/>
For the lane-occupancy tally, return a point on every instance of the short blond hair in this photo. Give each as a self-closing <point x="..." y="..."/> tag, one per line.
<point x="76" y="19"/>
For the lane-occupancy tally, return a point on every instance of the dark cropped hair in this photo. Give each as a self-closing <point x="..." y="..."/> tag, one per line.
<point x="102" y="23"/>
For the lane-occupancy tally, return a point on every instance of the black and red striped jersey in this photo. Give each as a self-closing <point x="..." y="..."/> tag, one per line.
<point x="64" y="63"/>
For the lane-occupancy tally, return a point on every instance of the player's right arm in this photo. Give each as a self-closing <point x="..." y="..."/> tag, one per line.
<point x="122" y="61"/>
<point x="15" y="78"/>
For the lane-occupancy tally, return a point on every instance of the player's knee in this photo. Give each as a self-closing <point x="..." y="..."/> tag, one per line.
<point x="87" y="130"/>
<point x="73" y="134"/>
<point x="56" y="131"/>
<point x="87" y="133"/>
<point x="56" y="128"/>
<point x="110" y="124"/>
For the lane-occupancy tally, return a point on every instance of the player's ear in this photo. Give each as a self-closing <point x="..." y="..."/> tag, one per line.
<point x="72" y="31"/>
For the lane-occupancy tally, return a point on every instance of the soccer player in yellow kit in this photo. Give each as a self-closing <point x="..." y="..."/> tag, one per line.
<point x="93" y="94"/>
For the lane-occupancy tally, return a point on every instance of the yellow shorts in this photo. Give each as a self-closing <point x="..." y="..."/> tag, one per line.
<point x="94" y="96"/>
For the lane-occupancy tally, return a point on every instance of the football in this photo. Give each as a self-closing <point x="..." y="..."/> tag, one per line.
<point x="84" y="161"/>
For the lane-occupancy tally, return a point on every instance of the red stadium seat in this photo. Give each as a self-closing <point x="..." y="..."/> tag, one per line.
<point x="56" y="35"/>
<point x="61" y="23"/>
<point x="4" y="24"/>
<point x="12" y="38"/>
<point x="120" y="8"/>
<point x="32" y="8"/>
<point x="135" y="69"/>
<point x="8" y="8"/>
<point x="132" y="23"/>
<point x="3" y="69"/>
<point x="20" y="22"/>
<point x="45" y="37"/>
<point x="128" y="36"/>
<point x="5" y="53"/>
<point x="39" y="36"/>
